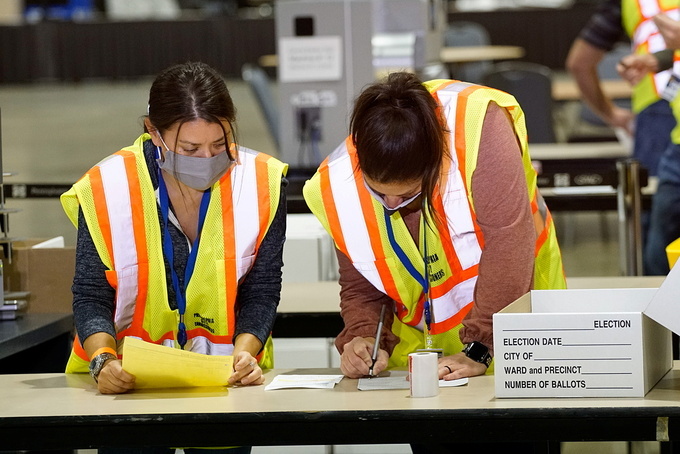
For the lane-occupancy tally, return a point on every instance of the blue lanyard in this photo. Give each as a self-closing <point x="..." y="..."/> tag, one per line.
<point x="180" y="293"/>
<point x="422" y="279"/>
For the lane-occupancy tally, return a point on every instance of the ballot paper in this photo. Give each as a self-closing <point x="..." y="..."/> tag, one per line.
<point x="157" y="366"/>
<point x="399" y="380"/>
<point x="304" y="381"/>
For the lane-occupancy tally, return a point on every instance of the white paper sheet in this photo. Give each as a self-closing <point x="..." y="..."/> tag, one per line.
<point x="398" y="380"/>
<point x="56" y="242"/>
<point x="304" y="381"/>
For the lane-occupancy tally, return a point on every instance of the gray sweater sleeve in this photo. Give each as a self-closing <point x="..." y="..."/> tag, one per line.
<point x="260" y="291"/>
<point x="93" y="297"/>
<point x="258" y="294"/>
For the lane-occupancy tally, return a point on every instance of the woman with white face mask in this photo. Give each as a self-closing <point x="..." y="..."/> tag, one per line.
<point x="158" y="254"/>
<point x="433" y="207"/>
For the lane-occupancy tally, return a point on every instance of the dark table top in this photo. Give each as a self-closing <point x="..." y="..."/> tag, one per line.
<point x="29" y="330"/>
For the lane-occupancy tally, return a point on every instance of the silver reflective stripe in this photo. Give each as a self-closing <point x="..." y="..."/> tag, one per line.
<point x="204" y="346"/>
<point x="458" y="214"/>
<point x="246" y="208"/>
<point x="118" y="205"/>
<point x="352" y="222"/>
<point x="649" y="8"/>
<point x="459" y="217"/>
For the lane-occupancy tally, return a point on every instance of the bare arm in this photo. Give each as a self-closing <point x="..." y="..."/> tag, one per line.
<point x="669" y="29"/>
<point x="582" y="63"/>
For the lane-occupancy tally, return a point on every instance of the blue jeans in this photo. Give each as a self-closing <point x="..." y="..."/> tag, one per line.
<point x="653" y="127"/>
<point x="664" y="222"/>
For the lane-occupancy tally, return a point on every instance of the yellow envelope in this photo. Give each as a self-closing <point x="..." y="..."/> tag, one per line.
<point x="157" y="366"/>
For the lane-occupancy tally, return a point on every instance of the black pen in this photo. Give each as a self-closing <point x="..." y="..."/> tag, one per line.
<point x="376" y="345"/>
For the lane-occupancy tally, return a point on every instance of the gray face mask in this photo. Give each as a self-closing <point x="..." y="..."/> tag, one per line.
<point x="197" y="173"/>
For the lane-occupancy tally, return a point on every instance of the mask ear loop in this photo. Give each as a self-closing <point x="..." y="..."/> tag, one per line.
<point x="159" y="154"/>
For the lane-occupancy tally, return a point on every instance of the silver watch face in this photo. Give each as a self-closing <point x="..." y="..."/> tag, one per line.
<point x="98" y="362"/>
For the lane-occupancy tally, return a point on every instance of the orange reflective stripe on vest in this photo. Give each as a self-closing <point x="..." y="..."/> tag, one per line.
<point x="364" y="241"/>
<point x="128" y="239"/>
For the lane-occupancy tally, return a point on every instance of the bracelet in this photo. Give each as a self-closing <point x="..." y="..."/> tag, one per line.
<point x="99" y="351"/>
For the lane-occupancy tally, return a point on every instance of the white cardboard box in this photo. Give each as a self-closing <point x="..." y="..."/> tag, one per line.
<point x="586" y="343"/>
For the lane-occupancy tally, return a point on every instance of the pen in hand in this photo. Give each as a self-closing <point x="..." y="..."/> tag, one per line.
<point x="376" y="345"/>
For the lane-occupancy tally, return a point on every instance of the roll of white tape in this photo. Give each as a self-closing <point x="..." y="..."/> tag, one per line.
<point x="423" y="374"/>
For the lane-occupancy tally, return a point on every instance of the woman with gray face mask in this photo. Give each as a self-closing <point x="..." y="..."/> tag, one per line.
<point x="180" y="237"/>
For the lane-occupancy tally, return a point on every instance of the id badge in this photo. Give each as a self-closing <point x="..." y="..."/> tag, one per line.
<point x="671" y="88"/>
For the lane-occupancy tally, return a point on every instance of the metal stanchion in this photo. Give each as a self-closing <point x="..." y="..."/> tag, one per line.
<point x="629" y="203"/>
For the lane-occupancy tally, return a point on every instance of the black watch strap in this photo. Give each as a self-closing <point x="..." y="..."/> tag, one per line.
<point x="479" y="352"/>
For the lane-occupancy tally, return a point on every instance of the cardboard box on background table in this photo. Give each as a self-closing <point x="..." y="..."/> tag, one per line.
<point x="47" y="273"/>
<point x="586" y="343"/>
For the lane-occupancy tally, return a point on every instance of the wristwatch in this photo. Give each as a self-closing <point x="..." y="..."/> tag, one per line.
<point x="97" y="364"/>
<point x="479" y="352"/>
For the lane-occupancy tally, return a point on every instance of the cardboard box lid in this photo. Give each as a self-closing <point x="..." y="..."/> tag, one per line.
<point x="664" y="307"/>
<point x="591" y="300"/>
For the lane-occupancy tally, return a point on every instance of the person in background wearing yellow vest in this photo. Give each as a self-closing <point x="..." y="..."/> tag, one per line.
<point x="180" y="237"/>
<point x="433" y="207"/>
<point x="665" y="211"/>
<point x="652" y="114"/>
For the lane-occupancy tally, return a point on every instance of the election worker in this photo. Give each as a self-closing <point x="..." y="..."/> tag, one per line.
<point x="180" y="237"/>
<point x="433" y="207"/>
<point x="648" y="24"/>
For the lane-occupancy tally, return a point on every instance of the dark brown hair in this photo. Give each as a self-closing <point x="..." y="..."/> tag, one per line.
<point x="187" y="92"/>
<point x="398" y="133"/>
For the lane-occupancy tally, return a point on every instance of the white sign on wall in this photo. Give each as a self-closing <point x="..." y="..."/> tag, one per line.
<point x="310" y="58"/>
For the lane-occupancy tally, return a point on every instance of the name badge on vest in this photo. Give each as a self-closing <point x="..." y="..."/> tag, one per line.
<point x="671" y="88"/>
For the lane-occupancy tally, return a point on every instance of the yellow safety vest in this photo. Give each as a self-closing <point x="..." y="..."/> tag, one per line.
<point x="637" y="21"/>
<point x="129" y="242"/>
<point x="336" y="194"/>
<point x="675" y="106"/>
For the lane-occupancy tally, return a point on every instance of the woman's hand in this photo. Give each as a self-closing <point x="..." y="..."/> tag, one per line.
<point x="633" y="68"/>
<point x="113" y="379"/>
<point x="669" y="29"/>
<point x="246" y="370"/>
<point x="356" y="358"/>
<point x="459" y="366"/>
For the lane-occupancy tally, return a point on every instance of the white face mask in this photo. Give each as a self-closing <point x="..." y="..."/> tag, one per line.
<point x="390" y="210"/>
<point x="197" y="173"/>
